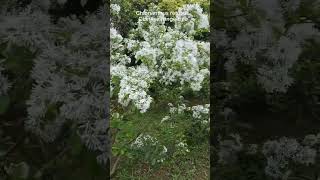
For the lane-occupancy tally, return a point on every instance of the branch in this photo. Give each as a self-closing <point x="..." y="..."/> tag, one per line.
<point x="114" y="167"/>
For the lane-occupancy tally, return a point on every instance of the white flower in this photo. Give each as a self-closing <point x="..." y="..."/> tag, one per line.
<point x="165" y="150"/>
<point x="115" y="8"/>
<point x="183" y="146"/>
<point x="165" y="119"/>
<point x="280" y="153"/>
<point x="199" y="110"/>
<point x="165" y="55"/>
<point x="144" y="139"/>
<point x="190" y="18"/>
<point x="204" y="22"/>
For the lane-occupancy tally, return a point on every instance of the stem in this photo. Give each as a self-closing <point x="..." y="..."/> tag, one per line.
<point x="114" y="167"/>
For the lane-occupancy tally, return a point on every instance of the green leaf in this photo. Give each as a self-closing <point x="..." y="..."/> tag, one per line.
<point x="4" y="104"/>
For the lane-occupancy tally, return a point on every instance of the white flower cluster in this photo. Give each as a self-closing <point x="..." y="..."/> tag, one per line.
<point x="165" y="119"/>
<point x="280" y="153"/>
<point x="258" y="46"/>
<point x="195" y="18"/>
<point x="199" y="112"/>
<point x="144" y="139"/>
<point x="147" y="54"/>
<point x="135" y="81"/>
<point x="69" y="74"/>
<point x="133" y="87"/>
<point x="182" y="147"/>
<point x="166" y="55"/>
<point x="179" y="109"/>
<point x="191" y="57"/>
<point x="28" y="28"/>
<point x="115" y="8"/>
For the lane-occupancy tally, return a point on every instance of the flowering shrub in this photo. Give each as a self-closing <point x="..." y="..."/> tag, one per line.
<point x="281" y="158"/>
<point x="264" y="85"/>
<point x="153" y="64"/>
<point x="149" y="149"/>
<point x="68" y="74"/>
<point x="280" y="153"/>
<point x="175" y="5"/>
<point x="266" y="39"/>
<point x="166" y="55"/>
<point x="127" y="19"/>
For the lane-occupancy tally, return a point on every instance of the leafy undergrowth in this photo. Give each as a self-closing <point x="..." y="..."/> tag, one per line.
<point x="193" y="165"/>
<point x="23" y="156"/>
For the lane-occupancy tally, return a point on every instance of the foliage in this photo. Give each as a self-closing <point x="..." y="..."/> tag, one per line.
<point x="175" y="5"/>
<point x="156" y="64"/>
<point x="266" y="85"/>
<point x="128" y="17"/>
<point x="273" y="159"/>
<point x="53" y="92"/>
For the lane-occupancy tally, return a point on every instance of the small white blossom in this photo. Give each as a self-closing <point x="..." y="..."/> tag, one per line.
<point x="115" y="8"/>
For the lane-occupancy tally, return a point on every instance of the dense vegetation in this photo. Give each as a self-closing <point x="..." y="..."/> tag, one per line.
<point x="265" y="89"/>
<point x="160" y="92"/>
<point x="53" y="90"/>
<point x="56" y="87"/>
